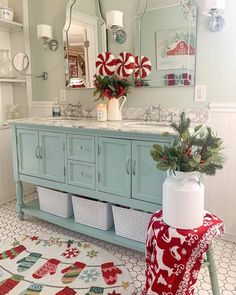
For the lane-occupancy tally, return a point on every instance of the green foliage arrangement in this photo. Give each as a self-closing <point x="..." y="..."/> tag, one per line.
<point x="197" y="150"/>
<point x="110" y="86"/>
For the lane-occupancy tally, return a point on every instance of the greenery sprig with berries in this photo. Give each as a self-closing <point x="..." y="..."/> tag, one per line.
<point x="110" y="86"/>
<point x="192" y="150"/>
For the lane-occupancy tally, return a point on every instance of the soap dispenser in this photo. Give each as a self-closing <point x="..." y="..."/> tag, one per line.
<point x="56" y="109"/>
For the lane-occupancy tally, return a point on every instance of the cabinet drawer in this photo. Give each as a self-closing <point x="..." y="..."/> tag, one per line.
<point x="81" y="174"/>
<point x="80" y="147"/>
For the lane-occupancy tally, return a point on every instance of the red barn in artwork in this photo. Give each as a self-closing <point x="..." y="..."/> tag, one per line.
<point x="181" y="48"/>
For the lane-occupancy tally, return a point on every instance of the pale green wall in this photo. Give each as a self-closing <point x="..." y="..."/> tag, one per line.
<point x="216" y="57"/>
<point x="86" y="7"/>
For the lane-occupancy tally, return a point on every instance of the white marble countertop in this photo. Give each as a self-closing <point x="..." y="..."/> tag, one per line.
<point x="150" y="127"/>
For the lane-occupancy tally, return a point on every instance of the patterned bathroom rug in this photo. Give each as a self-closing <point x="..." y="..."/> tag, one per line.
<point x="59" y="265"/>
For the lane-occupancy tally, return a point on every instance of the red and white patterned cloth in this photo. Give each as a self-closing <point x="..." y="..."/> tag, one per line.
<point x="174" y="256"/>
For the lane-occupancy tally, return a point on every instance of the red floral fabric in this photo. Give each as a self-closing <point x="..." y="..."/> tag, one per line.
<point x="174" y="256"/>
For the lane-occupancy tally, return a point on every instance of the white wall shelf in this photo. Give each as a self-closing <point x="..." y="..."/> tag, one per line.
<point x="9" y="25"/>
<point x="12" y="81"/>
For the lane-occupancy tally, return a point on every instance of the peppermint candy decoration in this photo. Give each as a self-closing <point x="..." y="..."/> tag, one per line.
<point x="106" y="64"/>
<point x="143" y="67"/>
<point x="125" y="64"/>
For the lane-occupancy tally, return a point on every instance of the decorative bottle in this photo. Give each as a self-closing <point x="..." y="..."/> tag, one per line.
<point x="56" y="109"/>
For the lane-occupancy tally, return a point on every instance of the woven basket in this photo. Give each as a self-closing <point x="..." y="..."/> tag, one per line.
<point x="131" y="224"/>
<point x="55" y="202"/>
<point x="92" y="213"/>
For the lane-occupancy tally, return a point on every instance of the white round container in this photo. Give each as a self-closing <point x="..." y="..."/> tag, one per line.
<point x="101" y="112"/>
<point x="6" y="13"/>
<point x="183" y="200"/>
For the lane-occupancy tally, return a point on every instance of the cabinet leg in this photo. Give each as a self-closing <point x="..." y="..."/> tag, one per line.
<point x="213" y="271"/>
<point x="19" y="200"/>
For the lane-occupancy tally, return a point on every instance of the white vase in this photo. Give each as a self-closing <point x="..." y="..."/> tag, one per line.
<point x="183" y="200"/>
<point x="115" y="106"/>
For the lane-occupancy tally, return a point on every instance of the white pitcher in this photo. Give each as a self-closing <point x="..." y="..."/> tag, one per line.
<point x="115" y="106"/>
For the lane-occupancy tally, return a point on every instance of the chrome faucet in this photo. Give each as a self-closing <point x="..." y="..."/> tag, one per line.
<point x="73" y="110"/>
<point x="148" y="113"/>
<point x="153" y="111"/>
<point x="159" y="108"/>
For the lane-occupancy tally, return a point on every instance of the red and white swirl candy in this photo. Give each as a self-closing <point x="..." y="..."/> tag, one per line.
<point x="143" y="67"/>
<point x="106" y="64"/>
<point x="125" y="64"/>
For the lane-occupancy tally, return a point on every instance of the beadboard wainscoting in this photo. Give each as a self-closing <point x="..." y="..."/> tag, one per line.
<point x="41" y="109"/>
<point x="7" y="184"/>
<point x="221" y="189"/>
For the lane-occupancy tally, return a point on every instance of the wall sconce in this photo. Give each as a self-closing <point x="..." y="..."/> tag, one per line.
<point x="45" y="32"/>
<point x="214" y="9"/>
<point x="114" y="21"/>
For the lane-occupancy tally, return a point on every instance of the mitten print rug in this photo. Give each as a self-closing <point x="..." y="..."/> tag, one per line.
<point x="50" y="265"/>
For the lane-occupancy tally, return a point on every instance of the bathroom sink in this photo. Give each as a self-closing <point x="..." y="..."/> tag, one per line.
<point x="63" y="119"/>
<point x="148" y="123"/>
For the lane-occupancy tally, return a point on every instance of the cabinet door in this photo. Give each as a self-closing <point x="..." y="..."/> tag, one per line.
<point x="28" y="151"/>
<point x="114" y="162"/>
<point x="52" y="156"/>
<point x="147" y="180"/>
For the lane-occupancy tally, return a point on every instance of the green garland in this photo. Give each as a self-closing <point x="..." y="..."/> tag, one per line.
<point x="199" y="150"/>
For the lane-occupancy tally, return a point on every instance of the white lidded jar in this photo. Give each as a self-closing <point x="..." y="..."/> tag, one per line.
<point x="183" y="200"/>
<point x="6" y="13"/>
<point x="6" y="69"/>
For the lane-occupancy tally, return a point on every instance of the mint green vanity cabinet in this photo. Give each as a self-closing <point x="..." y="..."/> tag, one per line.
<point x="126" y="168"/>
<point x="28" y="151"/>
<point x="114" y="166"/>
<point x="81" y="147"/>
<point x="81" y="160"/>
<point x="146" y="178"/>
<point x="81" y="174"/>
<point x="41" y="154"/>
<point x="52" y="155"/>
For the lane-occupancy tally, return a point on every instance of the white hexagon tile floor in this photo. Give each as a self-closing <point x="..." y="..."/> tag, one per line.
<point x="225" y="252"/>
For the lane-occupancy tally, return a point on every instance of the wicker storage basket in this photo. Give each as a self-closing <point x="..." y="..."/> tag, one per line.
<point x="92" y="213"/>
<point x="55" y="202"/>
<point x="131" y="224"/>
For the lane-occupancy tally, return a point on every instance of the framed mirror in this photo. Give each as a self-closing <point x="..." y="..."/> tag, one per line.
<point x="20" y="62"/>
<point x="166" y="33"/>
<point x="84" y="36"/>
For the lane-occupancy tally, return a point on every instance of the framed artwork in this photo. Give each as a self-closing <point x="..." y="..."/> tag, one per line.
<point x="175" y="49"/>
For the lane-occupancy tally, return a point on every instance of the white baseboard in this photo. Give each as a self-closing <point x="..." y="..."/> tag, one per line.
<point x="7" y="198"/>
<point x="28" y="189"/>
